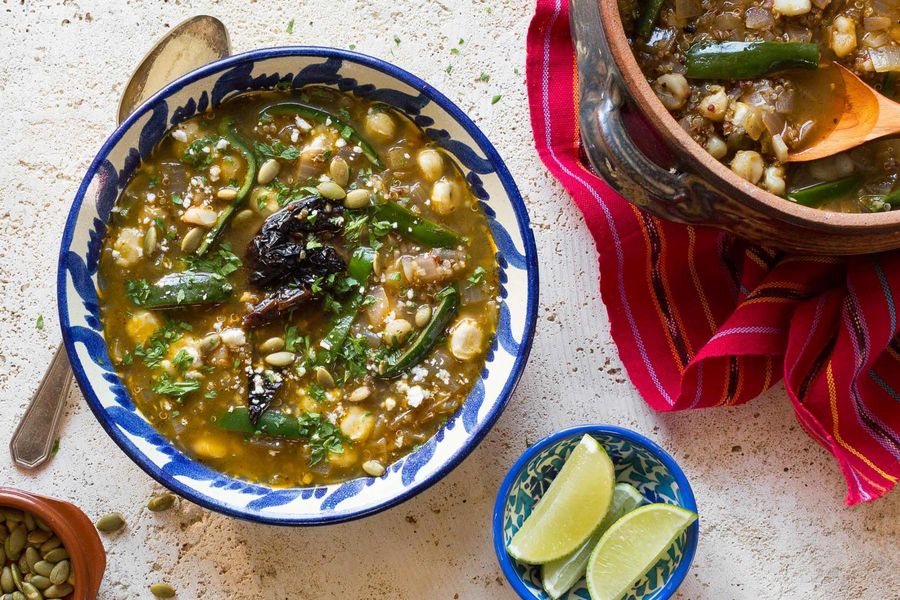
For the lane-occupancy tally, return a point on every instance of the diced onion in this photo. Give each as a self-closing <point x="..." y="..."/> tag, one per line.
<point x="876" y="23"/>
<point x="885" y="59"/>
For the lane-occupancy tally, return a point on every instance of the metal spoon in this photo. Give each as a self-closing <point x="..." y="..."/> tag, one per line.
<point x="867" y="116"/>
<point x="189" y="45"/>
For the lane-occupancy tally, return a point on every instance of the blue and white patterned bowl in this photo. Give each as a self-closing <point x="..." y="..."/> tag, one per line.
<point x="638" y="461"/>
<point x="208" y="86"/>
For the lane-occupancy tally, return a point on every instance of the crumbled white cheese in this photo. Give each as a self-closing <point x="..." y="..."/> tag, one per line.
<point x="302" y="124"/>
<point x="340" y="143"/>
<point x="389" y="404"/>
<point x="444" y="376"/>
<point x="180" y="135"/>
<point x="221" y="144"/>
<point x="415" y="395"/>
<point x="419" y="373"/>
<point x="214" y="172"/>
<point x="151" y="196"/>
<point x="295" y="135"/>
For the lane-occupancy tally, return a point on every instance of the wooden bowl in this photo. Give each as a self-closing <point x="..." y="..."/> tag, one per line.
<point x="640" y="149"/>
<point x="86" y="553"/>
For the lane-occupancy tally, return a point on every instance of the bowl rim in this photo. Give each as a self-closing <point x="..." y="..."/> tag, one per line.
<point x="512" y="377"/>
<point x="716" y="172"/>
<point x="690" y="548"/>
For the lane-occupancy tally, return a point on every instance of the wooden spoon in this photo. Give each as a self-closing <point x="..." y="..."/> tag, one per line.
<point x="867" y="116"/>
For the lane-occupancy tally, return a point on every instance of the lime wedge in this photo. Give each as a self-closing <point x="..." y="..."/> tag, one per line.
<point x="631" y="546"/>
<point x="558" y="576"/>
<point x="570" y="509"/>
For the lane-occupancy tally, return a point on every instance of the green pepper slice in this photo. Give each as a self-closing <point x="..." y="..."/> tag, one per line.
<point x="271" y="422"/>
<point x="360" y="268"/>
<point x="448" y="304"/>
<point x="188" y="288"/>
<point x="417" y="228"/>
<point x="816" y="194"/>
<point x="748" y="60"/>
<point x="649" y="16"/>
<point x="228" y="131"/>
<point x="321" y="116"/>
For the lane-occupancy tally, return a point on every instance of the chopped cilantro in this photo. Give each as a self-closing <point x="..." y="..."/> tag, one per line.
<point x="183" y="360"/>
<point x="352" y="46"/>
<point x="323" y="435"/>
<point x="166" y="386"/>
<point x="291" y="336"/>
<point x="152" y="182"/>
<point x="316" y="392"/>
<point x="222" y="262"/>
<point x="211" y="394"/>
<point x="484" y="77"/>
<point x="454" y="50"/>
<point x="39" y="324"/>
<point x="477" y="276"/>
<point x="397" y="40"/>
<point x="55" y="449"/>
<point x="496" y="99"/>
<point x="290" y="26"/>
<point x="353" y="226"/>
<point x="154" y="349"/>
<point x="138" y="290"/>
<point x="347" y="132"/>
<point x="449" y="69"/>
<point x="199" y="153"/>
<point x="277" y="150"/>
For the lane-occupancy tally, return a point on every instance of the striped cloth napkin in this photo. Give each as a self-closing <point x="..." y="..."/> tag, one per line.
<point x="701" y="318"/>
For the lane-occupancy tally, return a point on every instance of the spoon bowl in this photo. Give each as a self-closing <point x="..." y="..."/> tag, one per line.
<point x="867" y="115"/>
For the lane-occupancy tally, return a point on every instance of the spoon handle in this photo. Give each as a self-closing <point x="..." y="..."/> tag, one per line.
<point x="32" y="443"/>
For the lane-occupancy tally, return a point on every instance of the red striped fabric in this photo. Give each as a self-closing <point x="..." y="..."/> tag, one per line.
<point x="703" y="319"/>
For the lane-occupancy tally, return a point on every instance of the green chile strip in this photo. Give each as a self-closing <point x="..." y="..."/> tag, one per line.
<point x="229" y="132"/>
<point x="448" y="304"/>
<point x="649" y="16"/>
<point x="814" y="195"/>
<point x="185" y="289"/>
<point x="748" y="60"/>
<point x="321" y="116"/>
<point x="893" y="198"/>
<point x="417" y="228"/>
<point x="360" y="268"/>
<point x="271" y="422"/>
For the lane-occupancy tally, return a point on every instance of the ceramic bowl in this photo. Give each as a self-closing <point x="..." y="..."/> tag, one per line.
<point x="642" y="151"/>
<point x="637" y="461"/>
<point x="194" y="93"/>
<point x="78" y="535"/>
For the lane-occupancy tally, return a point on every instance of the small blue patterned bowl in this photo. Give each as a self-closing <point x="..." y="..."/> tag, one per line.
<point x="638" y="461"/>
<point x="210" y="85"/>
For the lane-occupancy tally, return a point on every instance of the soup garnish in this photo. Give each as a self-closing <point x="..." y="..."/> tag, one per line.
<point x="298" y="287"/>
<point x="752" y="81"/>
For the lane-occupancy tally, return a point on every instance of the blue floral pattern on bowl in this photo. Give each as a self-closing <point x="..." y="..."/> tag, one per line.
<point x="637" y="461"/>
<point x="194" y="93"/>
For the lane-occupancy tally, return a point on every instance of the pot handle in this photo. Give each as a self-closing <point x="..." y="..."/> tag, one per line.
<point x="608" y="146"/>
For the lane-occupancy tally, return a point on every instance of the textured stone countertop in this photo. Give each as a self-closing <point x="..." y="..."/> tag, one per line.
<point x="771" y="501"/>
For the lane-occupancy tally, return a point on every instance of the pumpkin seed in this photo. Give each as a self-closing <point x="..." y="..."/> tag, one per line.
<point x="16" y="542"/>
<point x="16" y="576"/>
<point x="359" y="394"/>
<point x="162" y="590"/>
<point x="210" y="342"/>
<point x="373" y="468"/>
<point x="192" y="239"/>
<point x="268" y="171"/>
<point x="243" y="218"/>
<point x="42" y="567"/>
<point x="31" y="592"/>
<point x="339" y="171"/>
<point x="51" y="544"/>
<point x="324" y="378"/>
<point x="6" y="580"/>
<point x="4" y="532"/>
<point x="40" y="582"/>
<point x="31" y="557"/>
<point x="71" y="579"/>
<point x="17" y="596"/>
<point x="12" y="514"/>
<point x="30" y="525"/>
<point x="423" y="315"/>
<point x="280" y="359"/>
<point x="150" y="241"/>
<point x="58" y="591"/>
<point x="42" y="524"/>
<point x="227" y="193"/>
<point x="60" y="572"/>
<point x="38" y="536"/>
<point x="23" y="564"/>
<point x="111" y="522"/>
<point x="56" y="555"/>
<point x="357" y="198"/>
<point x="273" y="344"/>
<point x="331" y="190"/>
<point x="161" y="503"/>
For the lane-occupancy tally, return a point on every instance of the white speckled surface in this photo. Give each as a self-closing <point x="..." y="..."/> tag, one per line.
<point x="773" y="524"/>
